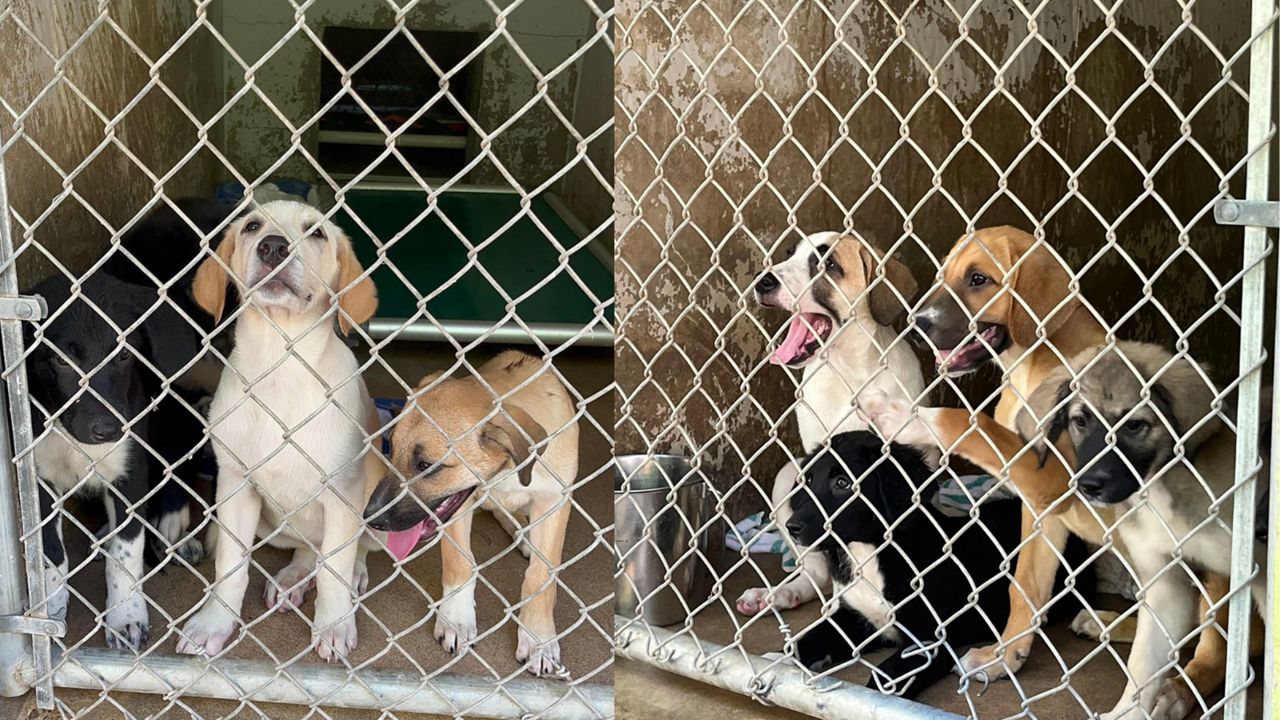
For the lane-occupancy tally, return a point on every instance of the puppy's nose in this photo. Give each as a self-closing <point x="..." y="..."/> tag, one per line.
<point x="919" y="336"/>
<point x="386" y="491"/>
<point x="794" y="527"/>
<point x="1091" y="484"/>
<point x="105" y="430"/>
<point x="273" y="249"/>
<point x="924" y="324"/>
<point x="767" y="283"/>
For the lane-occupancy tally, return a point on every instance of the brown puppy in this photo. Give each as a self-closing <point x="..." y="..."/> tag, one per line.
<point x="1018" y="297"/>
<point x="512" y="435"/>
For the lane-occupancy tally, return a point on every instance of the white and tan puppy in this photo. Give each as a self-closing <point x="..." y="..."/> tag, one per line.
<point x="506" y="441"/>
<point x="842" y="335"/>
<point x="289" y="423"/>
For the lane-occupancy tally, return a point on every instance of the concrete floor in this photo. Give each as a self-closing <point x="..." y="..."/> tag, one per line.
<point x="395" y="621"/>
<point x="1096" y="677"/>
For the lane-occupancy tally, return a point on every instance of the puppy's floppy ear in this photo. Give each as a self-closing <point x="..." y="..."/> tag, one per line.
<point x="886" y="307"/>
<point x="210" y="285"/>
<point x="504" y="432"/>
<point x="1047" y="409"/>
<point x="1040" y="283"/>
<point x="1181" y="395"/>
<point x="358" y="300"/>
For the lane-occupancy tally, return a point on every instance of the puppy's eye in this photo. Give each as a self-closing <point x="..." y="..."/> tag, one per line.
<point x="977" y="279"/>
<point x="422" y="466"/>
<point x="832" y="265"/>
<point x="1135" y="426"/>
<point x="122" y="358"/>
<point x="60" y="360"/>
<point x="252" y="226"/>
<point x="843" y="482"/>
<point x="1079" y="421"/>
<point x="318" y="233"/>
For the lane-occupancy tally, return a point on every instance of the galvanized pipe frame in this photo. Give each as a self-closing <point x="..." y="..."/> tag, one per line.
<point x="781" y="685"/>
<point x="389" y="690"/>
<point x="1252" y="316"/>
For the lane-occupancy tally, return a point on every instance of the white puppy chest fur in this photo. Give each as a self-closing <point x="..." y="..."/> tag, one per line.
<point x="64" y="462"/>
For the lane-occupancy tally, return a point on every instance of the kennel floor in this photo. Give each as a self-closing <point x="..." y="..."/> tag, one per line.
<point x="1095" y="684"/>
<point x="281" y="637"/>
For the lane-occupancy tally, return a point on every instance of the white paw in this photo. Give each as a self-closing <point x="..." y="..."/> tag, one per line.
<point x="756" y="600"/>
<point x="541" y="658"/>
<point x="986" y="663"/>
<point x="57" y="594"/>
<point x="336" y="640"/>
<point x="456" y="623"/>
<point x="208" y="631"/>
<point x="360" y="578"/>
<point x="896" y="421"/>
<point x="1085" y="626"/>
<point x="288" y="589"/>
<point x="127" y="625"/>
<point x="174" y="525"/>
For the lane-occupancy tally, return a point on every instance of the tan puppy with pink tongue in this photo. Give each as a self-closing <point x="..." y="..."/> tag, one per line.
<point x="506" y="441"/>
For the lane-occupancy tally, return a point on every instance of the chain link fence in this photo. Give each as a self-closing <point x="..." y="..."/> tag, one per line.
<point x="240" y="478"/>
<point x="1078" y="151"/>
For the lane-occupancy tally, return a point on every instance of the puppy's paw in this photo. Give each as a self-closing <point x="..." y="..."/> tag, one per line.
<point x="988" y="663"/>
<point x="208" y="631"/>
<point x="756" y="600"/>
<point x="127" y="625"/>
<point x="360" y="578"/>
<point x="897" y="421"/>
<point x="192" y="551"/>
<point x="456" y="623"/>
<point x="540" y="657"/>
<point x="58" y="594"/>
<point x="173" y="525"/>
<point x="1174" y="701"/>
<point x="1085" y="626"/>
<point x="336" y="640"/>
<point x="288" y="589"/>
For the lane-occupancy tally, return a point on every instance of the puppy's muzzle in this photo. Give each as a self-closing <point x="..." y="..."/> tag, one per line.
<point x="273" y="250"/>
<point x="390" y="508"/>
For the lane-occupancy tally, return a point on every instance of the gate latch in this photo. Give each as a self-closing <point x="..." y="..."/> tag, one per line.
<point x="23" y="307"/>
<point x="1256" y="213"/>
<point x="23" y="625"/>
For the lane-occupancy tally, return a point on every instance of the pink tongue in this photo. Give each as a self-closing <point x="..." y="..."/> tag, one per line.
<point x="402" y="543"/>
<point x="798" y="336"/>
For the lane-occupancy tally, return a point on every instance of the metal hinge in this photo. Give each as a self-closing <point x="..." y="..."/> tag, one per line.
<point x="23" y="307"/>
<point x="1256" y="213"/>
<point x="23" y="625"/>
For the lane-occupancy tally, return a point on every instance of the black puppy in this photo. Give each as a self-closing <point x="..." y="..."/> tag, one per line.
<point x="907" y="575"/>
<point x="90" y="395"/>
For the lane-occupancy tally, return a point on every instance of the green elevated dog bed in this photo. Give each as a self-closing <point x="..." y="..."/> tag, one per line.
<point x="426" y="254"/>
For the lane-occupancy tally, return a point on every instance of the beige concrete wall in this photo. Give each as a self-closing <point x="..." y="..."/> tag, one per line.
<point x="908" y="148"/>
<point x="100" y="105"/>
<point x="531" y="149"/>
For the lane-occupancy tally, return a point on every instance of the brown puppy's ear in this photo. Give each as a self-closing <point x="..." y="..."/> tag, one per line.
<point x="886" y="307"/>
<point x="504" y="432"/>
<point x="209" y="287"/>
<point x="1040" y="284"/>
<point x="357" y="303"/>
<point x="1179" y="394"/>
<point x="1046" y="409"/>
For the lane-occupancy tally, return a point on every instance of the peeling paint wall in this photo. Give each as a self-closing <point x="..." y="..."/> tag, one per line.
<point x="99" y="105"/>
<point x="813" y="118"/>
<point x="532" y="149"/>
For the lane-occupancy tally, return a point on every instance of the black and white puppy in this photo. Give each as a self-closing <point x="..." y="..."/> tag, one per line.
<point x="905" y="573"/>
<point x="90" y="395"/>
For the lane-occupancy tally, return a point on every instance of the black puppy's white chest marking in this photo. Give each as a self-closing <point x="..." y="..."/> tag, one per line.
<point x="861" y="587"/>
<point x="64" y="462"/>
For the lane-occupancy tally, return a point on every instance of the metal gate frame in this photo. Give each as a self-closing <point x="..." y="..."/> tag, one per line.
<point x="775" y="682"/>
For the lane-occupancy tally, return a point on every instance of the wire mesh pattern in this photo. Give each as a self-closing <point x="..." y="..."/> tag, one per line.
<point x="113" y="389"/>
<point x="1068" y="149"/>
